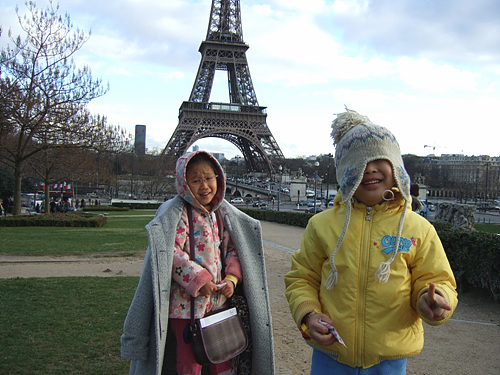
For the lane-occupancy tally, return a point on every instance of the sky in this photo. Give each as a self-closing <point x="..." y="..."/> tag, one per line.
<point x="427" y="70"/>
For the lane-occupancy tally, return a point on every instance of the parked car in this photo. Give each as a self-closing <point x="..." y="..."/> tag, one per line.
<point x="309" y="194"/>
<point x="311" y="210"/>
<point x="424" y="211"/>
<point x="486" y="206"/>
<point x="312" y="203"/>
<point x="303" y="203"/>
<point x="259" y="204"/>
<point x="237" y="200"/>
<point x="331" y="196"/>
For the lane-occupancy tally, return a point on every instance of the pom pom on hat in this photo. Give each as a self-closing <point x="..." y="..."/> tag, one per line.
<point x="346" y="121"/>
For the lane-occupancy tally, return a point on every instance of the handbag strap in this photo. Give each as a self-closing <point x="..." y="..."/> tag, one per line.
<point x="191" y="253"/>
<point x="220" y="226"/>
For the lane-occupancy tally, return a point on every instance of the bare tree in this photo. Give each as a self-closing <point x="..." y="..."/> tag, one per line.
<point x="154" y="183"/>
<point x="43" y="94"/>
<point x="75" y="160"/>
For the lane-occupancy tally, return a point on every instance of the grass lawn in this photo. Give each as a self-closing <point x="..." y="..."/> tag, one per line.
<point x="121" y="234"/>
<point x="489" y="228"/>
<point x="63" y="325"/>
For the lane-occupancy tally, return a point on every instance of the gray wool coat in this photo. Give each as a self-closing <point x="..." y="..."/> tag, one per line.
<point x="145" y="329"/>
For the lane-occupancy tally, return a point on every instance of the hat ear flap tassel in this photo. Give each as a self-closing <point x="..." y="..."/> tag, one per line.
<point x="383" y="272"/>
<point x="332" y="279"/>
<point x="333" y="276"/>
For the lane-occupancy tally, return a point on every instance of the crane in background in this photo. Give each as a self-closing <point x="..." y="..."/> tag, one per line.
<point x="433" y="149"/>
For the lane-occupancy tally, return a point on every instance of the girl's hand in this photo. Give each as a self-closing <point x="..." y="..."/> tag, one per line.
<point x="318" y="331"/>
<point x="228" y="289"/>
<point x="207" y="289"/>
<point x="433" y="305"/>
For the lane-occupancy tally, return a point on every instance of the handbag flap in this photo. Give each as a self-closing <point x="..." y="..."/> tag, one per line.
<point x="215" y="318"/>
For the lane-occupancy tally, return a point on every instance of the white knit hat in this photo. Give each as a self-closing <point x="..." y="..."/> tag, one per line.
<point x="358" y="141"/>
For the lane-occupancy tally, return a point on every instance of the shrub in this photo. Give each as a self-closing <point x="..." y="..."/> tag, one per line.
<point x="54" y="220"/>
<point x="138" y="206"/>
<point x="298" y="219"/>
<point x="473" y="256"/>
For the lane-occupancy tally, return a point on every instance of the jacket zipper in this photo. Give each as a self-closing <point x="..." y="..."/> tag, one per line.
<point x="363" y="281"/>
<point x="213" y="300"/>
<point x="368" y="216"/>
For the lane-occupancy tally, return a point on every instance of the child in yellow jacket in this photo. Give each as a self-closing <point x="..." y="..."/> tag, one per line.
<point x="369" y="267"/>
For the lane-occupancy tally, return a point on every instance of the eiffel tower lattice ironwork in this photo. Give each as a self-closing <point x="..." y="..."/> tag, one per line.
<point x="241" y="121"/>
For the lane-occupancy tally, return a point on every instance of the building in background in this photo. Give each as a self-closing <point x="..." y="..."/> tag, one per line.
<point x="218" y="155"/>
<point x="140" y="140"/>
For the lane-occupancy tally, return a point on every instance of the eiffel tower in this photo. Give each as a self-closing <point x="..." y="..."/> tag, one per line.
<point x="241" y="121"/>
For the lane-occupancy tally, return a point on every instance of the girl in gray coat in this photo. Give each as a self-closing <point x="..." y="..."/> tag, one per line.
<point x="152" y="313"/>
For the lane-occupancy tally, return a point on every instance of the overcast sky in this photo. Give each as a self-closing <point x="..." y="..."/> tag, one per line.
<point x="429" y="70"/>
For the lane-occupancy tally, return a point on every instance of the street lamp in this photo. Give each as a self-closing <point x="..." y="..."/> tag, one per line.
<point x="328" y="181"/>
<point x="315" y="176"/>
<point x="280" y="168"/>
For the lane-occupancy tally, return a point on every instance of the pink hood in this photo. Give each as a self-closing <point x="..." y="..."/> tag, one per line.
<point x="183" y="189"/>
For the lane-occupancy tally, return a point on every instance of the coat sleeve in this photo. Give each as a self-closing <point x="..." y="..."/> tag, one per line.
<point x="431" y="266"/>
<point x="136" y="328"/>
<point x="303" y="281"/>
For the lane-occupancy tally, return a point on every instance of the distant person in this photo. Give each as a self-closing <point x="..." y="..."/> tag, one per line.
<point x="161" y="308"/>
<point x="369" y="267"/>
<point x="53" y="206"/>
<point x="65" y="205"/>
<point x="60" y="205"/>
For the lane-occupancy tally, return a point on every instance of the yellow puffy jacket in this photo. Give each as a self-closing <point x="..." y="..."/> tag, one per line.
<point x="376" y="321"/>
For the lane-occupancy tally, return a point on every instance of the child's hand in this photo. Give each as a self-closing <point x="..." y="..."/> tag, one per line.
<point x="318" y="331"/>
<point x="227" y="289"/>
<point x="434" y="306"/>
<point x="207" y="289"/>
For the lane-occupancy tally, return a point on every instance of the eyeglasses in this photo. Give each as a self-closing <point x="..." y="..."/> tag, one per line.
<point x="207" y="180"/>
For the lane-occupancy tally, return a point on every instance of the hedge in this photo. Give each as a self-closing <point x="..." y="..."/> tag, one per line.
<point x="297" y="219"/>
<point x="54" y="220"/>
<point x="139" y="206"/>
<point x="473" y="256"/>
